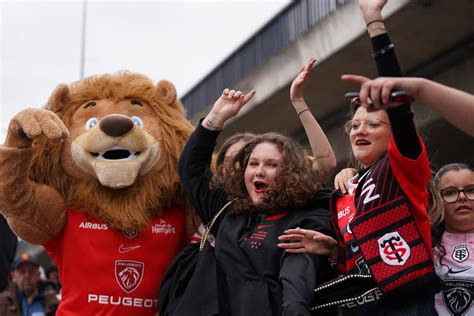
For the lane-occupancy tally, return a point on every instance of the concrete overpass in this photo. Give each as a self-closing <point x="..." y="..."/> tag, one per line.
<point x="433" y="39"/>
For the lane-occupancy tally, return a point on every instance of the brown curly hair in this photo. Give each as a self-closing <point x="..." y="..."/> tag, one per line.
<point x="295" y="185"/>
<point x="218" y="176"/>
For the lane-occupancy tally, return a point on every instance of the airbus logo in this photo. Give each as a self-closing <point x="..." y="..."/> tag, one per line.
<point x="93" y="226"/>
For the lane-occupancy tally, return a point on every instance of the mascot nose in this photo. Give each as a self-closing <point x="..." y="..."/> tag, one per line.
<point x="116" y="125"/>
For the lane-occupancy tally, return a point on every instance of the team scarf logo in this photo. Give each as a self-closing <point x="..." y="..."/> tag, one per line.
<point x="393" y="249"/>
<point x="457" y="296"/>
<point x="129" y="274"/>
<point x="460" y="253"/>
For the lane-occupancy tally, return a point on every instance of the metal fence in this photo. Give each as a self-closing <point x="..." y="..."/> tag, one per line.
<point x="281" y="31"/>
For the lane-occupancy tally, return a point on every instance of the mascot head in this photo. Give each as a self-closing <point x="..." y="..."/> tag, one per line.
<point x="119" y="163"/>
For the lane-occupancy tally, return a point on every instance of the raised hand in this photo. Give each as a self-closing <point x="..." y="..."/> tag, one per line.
<point x="376" y="92"/>
<point x="33" y="123"/>
<point x="228" y="105"/>
<point x="298" y="85"/>
<point x="300" y="240"/>
<point x="341" y="181"/>
<point x="372" y="9"/>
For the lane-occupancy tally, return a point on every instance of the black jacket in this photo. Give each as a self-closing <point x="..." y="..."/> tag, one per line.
<point x="257" y="277"/>
<point x="8" y="243"/>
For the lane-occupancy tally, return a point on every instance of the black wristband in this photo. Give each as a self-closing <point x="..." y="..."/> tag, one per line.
<point x="383" y="50"/>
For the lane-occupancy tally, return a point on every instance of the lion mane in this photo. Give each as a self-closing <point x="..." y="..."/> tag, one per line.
<point x="132" y="207"/>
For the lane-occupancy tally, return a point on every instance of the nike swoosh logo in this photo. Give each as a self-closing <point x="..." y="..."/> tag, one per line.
<point x="123" y="249"/>
<point x="263" y="226"/>
<point x="451" y="271"/>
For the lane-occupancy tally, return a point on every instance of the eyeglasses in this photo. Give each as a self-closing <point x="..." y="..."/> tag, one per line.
<point x="372" y="125"/>
<point x="451" y="194"/>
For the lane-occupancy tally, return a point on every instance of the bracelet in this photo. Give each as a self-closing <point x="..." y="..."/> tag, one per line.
<point x="383" y="50"/>
<point x="302" y="111"/>
<point x="373" y="21"/>
<point x="377" y="28"/>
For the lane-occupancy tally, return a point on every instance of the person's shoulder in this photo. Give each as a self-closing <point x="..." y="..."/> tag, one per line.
<point x="319" y="203"/>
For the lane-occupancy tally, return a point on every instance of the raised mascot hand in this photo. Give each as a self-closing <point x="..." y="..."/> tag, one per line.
<point x="33" y="123"/>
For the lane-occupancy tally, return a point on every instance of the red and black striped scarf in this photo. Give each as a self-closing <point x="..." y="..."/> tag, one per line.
<point x="387" y="234"/>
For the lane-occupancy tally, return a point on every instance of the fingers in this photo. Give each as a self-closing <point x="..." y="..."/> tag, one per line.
<point x="386" y="90"/>
<point x="37" y="122"/>
<point x="53" y="128"/>
<point x="374" y="88"/>
<point x="299" y="250"/>
<point x="310" y="64"/>
<point x="299" y="231"/>
<point x="344" y="187"/>
<point x="339" y="184"/>
<point x="290" y="245"/>
<point x="322" y="238"/>
<point x="291" y="237"/>
<point x="342" y="178"/>
<point x="355" y="79"/>
<point x="249" y="96"/>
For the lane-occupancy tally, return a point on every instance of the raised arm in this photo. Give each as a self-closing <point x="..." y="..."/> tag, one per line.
<point x="227" y="106"/>
<point x="36" y="212"/>
<point x="323" y="154"/>
<point x="401" y="117"/>
<point x="195" y="159"/>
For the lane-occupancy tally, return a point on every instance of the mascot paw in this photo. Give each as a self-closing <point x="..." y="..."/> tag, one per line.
<point x="32" y="123"/>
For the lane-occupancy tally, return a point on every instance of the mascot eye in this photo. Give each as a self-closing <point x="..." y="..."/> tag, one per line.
<point x="136" y="102"/>
<point x="91" y="123"/>
<point x="137" y="121"/>
<point x="92" y="103"/>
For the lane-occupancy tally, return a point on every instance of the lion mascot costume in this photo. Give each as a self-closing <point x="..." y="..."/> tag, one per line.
<point x="93" y="178"/>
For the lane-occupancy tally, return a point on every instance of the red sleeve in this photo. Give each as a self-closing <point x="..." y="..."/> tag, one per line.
<point x="413" y="176"/>
<point x="53" y="246"/>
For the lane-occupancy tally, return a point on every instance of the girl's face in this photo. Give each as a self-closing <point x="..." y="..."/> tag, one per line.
<point x="369" y="133"/>
<point x="262" y="170"/>
<point x="458" y="215"/>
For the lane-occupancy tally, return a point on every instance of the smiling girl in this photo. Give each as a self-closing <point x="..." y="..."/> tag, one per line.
<point x="454" y="240"/>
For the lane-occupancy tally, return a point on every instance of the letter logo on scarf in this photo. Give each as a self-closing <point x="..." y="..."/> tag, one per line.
<point x="129" y="274"/>
<point x="393" y="249"/>
<point x="368" y="190"/>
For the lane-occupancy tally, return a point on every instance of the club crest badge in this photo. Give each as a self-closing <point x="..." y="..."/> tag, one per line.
<point x="129" y="274"/>
<point x="457" y="296"/>
<point x="460" y="253"/>
<point x="393" y="249"/>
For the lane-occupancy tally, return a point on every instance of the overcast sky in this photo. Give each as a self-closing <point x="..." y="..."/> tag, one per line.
<point x="176" y="40"/>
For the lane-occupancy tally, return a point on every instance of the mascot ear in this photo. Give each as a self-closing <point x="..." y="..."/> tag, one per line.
<point x="59" y="99"/>
<point x="166" y="92"/>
